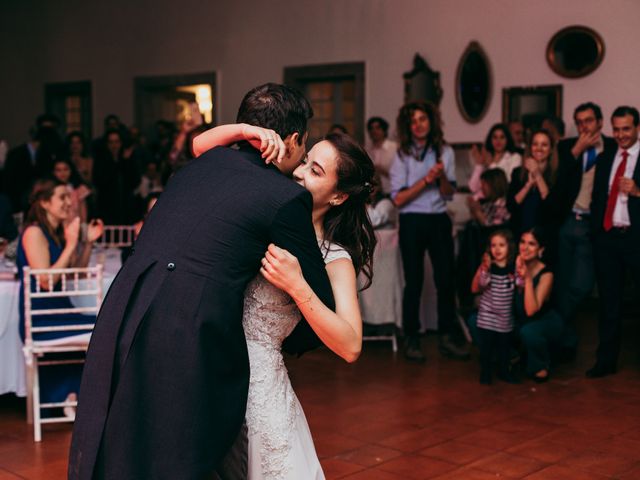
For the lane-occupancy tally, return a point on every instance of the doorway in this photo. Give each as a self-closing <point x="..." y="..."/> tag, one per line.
<point x="170" y="97"/>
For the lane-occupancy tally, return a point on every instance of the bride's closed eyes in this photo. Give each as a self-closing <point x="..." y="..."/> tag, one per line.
<point x="315" y="168"/>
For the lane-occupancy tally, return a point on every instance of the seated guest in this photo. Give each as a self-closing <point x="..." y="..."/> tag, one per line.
<point x="66" y="173"/>
<point x="499" y="151"/>
<point x="540" y="326"/>
<point x="47" y="243"/>
<point x="381" y="150"/>
<point x="531" y="184"/>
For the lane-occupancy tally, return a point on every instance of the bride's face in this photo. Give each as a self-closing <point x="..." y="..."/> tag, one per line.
<point x="318" y="173"/>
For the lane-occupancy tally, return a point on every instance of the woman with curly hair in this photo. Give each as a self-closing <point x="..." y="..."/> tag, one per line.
<point x="422" y="181"/>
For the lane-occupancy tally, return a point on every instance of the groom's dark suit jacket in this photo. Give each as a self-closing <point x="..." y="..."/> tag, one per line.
<point x="164" y="388"/>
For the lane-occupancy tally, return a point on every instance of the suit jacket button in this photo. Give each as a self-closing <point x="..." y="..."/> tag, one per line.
<point x="171" y="266"/>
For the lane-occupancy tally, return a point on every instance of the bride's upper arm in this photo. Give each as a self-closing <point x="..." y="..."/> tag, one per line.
<point x="344" y="285"/>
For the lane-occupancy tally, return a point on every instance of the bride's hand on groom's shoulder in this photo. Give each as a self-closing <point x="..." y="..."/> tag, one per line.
<point x="282" y="269"/>
<point x="267" y="141"/>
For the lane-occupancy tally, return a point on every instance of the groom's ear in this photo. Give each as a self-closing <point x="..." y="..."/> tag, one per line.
<point x="294" y="137"/>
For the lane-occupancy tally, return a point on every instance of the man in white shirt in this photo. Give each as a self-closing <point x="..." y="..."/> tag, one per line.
<point x="381" y="150"/>
<point x="615" y="217"/>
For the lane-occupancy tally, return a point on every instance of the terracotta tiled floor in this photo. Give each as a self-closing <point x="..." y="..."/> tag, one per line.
<point x="384" y="419"/>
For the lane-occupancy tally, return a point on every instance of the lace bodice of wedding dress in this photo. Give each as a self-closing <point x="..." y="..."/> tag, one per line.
<point x="279" y="437"/>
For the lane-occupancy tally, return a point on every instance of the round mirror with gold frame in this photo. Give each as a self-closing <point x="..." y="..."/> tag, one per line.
<point x="575" y="51"/>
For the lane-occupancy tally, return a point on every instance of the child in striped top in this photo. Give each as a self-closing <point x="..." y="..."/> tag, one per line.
<point x="495" y="281"/>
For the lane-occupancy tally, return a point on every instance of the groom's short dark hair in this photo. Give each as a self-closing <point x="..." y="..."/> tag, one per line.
<point x="278" y="107"/>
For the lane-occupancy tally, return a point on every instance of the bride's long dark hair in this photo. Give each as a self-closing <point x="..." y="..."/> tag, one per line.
<point x="348" y="224"/>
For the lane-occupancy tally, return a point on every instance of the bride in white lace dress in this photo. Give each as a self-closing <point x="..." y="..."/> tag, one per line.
<point x="280" y="443"/>
<point x="338" y="173"/>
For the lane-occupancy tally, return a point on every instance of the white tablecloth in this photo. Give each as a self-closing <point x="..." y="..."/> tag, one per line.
<point x="12" y="373"/>
<point x="381" y="303"/>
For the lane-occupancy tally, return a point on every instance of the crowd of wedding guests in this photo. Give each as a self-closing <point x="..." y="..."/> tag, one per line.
<point x="61" y="191"/>
<point x="110" y="176"/>
<point x="550" y="217"/>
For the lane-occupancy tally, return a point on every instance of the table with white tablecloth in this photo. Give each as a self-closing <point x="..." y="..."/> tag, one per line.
<point x="12" y="372"/>
<point x="381" y="303"/>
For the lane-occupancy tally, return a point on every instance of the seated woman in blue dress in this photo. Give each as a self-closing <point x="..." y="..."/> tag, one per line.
<point x="52" y="240"/>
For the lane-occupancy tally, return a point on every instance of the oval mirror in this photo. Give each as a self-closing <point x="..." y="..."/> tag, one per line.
<point x="473" y="83"/>
<point x="575" y="51"/>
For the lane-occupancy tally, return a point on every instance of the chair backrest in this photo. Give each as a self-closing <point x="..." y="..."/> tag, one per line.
<point x="74" y="282"/>
<point x="116" y="236"/>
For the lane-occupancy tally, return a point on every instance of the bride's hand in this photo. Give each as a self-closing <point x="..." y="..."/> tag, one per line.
<point x="267" y="141"/>
<point x="281" y="269"/>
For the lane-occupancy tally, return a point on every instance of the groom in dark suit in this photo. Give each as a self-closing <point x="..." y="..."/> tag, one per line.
<point x="165" y="384"/>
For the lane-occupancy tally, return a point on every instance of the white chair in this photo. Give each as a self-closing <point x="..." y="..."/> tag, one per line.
<point x="116" y="236"/>
<point x="74" y="282"/>
<point x="381" y="303"/>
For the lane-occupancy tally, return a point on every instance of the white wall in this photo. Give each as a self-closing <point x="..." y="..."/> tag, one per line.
<point x="249" y="42"/>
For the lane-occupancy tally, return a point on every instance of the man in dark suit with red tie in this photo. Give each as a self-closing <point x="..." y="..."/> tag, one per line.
<point x="615" y="216"/>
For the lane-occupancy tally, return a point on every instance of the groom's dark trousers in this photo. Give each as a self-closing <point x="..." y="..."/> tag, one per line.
<point x="164" y="388"/>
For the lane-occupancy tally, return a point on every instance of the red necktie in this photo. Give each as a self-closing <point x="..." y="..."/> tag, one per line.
<point x="613" y="194"/>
